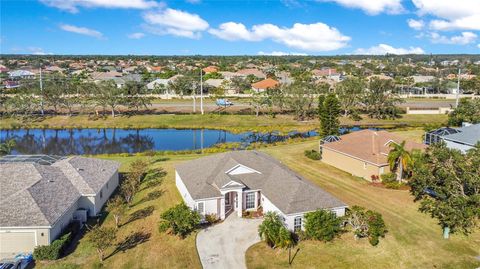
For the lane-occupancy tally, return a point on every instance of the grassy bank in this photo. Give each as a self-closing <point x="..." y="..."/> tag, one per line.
<point x="414" y="240"/>
<point x="235" y="123"/>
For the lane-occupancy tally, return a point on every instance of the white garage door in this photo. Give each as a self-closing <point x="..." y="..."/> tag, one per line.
<point x="15" y="242"/>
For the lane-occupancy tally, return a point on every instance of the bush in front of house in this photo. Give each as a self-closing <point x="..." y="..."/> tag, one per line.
<point x="390" y="181"/>
<point x="179" y="220"/>
<point x="366" y="223"/>
<point x="211" y="218"/>
<point x="53" y="251"/>
<point x="313" y="154"/>
<point x="322" y="225"/>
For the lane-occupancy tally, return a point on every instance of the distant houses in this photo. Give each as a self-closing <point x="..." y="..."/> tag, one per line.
<point x="40" y="195"/>
<point x="363" y="153"/>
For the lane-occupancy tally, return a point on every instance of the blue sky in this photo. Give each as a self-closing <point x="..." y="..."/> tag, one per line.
<point x="222" y="27"/>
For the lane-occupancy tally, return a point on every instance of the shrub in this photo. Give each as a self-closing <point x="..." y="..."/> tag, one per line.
<point x="322" y="225"/>
<point x="53" y="251"/>
<point x="390" y="181"/>
<point x="270" y="229"/>
<point x="211" y="218"/>
<point x="312" y="154"/>
<point x="377" y="227"/>
<point x="180" y="219"/>
<point x="366" y="223"/>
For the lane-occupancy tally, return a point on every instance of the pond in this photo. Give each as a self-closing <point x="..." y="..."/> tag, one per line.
<point x="107" y="141"/>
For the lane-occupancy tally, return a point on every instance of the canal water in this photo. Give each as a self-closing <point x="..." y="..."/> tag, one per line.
<point x="107" y="141"/>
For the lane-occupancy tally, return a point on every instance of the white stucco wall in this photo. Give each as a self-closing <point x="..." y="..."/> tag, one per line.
<point x="210" y="206"/>
<point x="187" y="198"/>
<point x="106" y="192"/>
<point x="60" y="225"/>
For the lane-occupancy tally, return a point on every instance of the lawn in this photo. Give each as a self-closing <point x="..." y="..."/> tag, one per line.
<point x="159" y="251"/>
<point x="235" y="123"/>
<point x="414" y="239"/>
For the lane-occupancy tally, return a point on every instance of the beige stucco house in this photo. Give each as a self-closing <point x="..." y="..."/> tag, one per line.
<point x="363" y="153"/>
<point x="40" y="195"/>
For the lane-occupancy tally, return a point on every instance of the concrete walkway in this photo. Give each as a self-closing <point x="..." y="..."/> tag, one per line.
<point x="224" y="245"/>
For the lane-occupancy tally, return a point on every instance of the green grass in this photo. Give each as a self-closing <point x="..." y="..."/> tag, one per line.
<point x="411" y="134"/>
<point x="414" y="239"/>
<point x="160" y="251"/>
<point x="235" y="123"/>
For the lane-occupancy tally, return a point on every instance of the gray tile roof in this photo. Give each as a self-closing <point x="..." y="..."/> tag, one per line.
<point x="469" y="135"/>
<point x="32" y="194"/>
<point x="290" y="192"/>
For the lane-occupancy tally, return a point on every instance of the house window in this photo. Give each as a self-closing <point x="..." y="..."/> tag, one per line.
<point x="297" y="223"/>
<point x="200" y="207"/>
<point x="101" y="194"/>
<point x="250" y="200"/>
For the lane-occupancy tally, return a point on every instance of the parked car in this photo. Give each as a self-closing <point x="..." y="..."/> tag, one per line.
<point x="224" y="102"/>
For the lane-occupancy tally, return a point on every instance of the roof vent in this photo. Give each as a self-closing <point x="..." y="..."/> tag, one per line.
<point x="79" y="169"/>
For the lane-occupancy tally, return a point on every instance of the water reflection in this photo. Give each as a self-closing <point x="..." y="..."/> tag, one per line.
<point x="98" y="141"/>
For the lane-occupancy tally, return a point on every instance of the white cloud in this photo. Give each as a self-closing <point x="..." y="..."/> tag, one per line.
<point x="382" y="49"/>
<point x="136" y="35"/>
<point x="38" y="51"/>
<point x="74" y="5"/>
<point x="175" y="22"/>
<point x="416" y="24"/>
<point x="452" y="15"/>
<point x="372" y="7"/>
<point x="310" y="37"/>
<point x="281" y="53"/>
<point x="463" y="39"/>
<point x="81" y="30"/>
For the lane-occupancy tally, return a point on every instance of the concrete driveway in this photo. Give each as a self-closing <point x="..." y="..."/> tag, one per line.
<point x="224" y="245"/>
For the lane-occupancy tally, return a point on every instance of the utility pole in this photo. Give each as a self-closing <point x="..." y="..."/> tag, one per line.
<point x="201" y="91"/>
<point x="458" y="89"/>
<point x="41" y="90"/>
<point x="194" y="100"/>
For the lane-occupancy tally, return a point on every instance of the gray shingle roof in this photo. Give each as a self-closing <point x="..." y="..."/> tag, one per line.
<point x="290" y="192"/>
<point x="469" y="135"/>
<point x="32" y="194"/>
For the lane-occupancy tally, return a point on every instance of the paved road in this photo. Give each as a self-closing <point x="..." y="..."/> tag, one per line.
<point x="224" y="245"/>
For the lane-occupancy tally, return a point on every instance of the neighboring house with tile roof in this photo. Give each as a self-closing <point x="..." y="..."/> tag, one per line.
<point x="363" y="153"/>
<point x="240" y="181"/>
<point x="264" y="85"/>
<point x="39" y="199"/>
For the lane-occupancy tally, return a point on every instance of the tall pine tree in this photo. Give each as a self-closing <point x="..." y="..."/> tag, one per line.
<point x="329" y="112"/>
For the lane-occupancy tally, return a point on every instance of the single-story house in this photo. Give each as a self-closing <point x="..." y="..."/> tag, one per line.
<point x="240" y="181"/>
<point x="363" y="153"/>
<point x="466" y="138"/>
<point x="264" y="85"/>
<point x="40" y="195"/>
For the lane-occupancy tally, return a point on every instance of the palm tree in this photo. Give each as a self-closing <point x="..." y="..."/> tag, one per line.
<point x="270" y="228"/>
<point x="399" y="159"/>
<point x="7" y="147"/>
